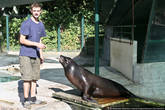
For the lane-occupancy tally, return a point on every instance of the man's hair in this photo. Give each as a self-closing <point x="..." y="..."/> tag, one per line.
<point x="35" y="4"/>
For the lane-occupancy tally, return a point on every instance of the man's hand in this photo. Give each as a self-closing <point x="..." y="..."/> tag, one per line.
<point x="41" y="59"/>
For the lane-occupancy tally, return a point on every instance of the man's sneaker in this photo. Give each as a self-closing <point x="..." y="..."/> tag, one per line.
<point x="33" y="100"/>
<point x="27" y="105"/>
<point x="38" y="102"/>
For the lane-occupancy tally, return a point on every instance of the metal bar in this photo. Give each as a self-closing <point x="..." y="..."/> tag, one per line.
<point x="127" y="42"/>
<point x="125" y="26"/>
<point x="123" y="33"/>
<point x="97" y="37"/>
<point x="7" y="32"/>
<point x="82" y="32"/>
<point x="133" y="22"/>
<point x="156" y="41"/>
<point x="59" y="39"/>
<point x="148" y="30"/>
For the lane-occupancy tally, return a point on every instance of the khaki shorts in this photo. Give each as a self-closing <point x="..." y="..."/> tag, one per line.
<point x="29" y="68"/>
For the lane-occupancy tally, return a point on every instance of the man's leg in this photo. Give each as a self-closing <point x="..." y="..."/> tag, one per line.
<point x="33" y="88"/>
<point x="26" y="87"/>
<point x="36" y="76"/>
<point x="26" y="74"/>
<point x="33" y="91"/>
<point x="34" y="100"/>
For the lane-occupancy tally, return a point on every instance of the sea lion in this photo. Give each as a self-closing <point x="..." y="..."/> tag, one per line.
<point x="90" y="84"/>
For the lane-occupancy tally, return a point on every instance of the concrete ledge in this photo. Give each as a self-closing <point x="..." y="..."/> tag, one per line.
<point x="152" y="77"/>
<point x="12" y="95"/>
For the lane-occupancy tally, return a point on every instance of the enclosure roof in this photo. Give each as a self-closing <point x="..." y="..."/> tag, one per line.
<point x="10" y="3"/>
<point x="114" y="12"/>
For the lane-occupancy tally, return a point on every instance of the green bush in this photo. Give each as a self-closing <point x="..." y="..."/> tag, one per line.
<point x="70" y="28"/>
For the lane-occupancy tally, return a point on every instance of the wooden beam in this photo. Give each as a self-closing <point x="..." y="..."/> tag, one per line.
<point x="77" y="100"/>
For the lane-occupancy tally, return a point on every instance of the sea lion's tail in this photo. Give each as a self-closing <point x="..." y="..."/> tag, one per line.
<point x="138" y="98"/>
<point x="133" y="96"/>
<point x="130" y="95"/>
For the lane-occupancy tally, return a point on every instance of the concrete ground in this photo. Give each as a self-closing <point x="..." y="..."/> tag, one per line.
<point x="52" y="80"/>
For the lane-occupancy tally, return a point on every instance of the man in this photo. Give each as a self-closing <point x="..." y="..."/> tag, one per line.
<point x="31" y="54"/>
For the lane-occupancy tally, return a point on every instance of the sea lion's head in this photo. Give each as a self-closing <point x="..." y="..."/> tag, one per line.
<point x="65" y="61"/>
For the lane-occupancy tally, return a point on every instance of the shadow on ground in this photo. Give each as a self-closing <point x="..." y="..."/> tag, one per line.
<point x="55" y="75"/>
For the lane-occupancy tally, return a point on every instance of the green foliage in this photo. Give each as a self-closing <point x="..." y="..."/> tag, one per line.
<point x="65" y="14"/>
<point x="2" y="30"/>
<point x="14" y="27"/>
<point x="70" y="39"/>
<point x="50" y="40"/>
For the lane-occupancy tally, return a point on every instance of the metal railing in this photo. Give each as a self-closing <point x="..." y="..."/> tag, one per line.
<point x="124" y="31"/>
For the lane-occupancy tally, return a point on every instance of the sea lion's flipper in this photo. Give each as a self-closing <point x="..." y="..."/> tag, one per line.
<point x="88" y="99"/>
<point x="94" y="101"/>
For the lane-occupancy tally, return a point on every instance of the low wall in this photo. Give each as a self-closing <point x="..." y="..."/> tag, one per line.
<point x="123" y="56"/>
<point x="151" y="77"/>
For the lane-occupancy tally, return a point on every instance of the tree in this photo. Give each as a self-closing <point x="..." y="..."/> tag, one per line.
<point x="66" y="13"/>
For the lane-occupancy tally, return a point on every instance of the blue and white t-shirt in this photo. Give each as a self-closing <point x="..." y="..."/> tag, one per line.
<point x="33" y="32"/>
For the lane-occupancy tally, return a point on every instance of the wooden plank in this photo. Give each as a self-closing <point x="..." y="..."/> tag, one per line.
<point x="6" y="102"/>
<point x="105" y="102"/>
<point x="102" y="102"/>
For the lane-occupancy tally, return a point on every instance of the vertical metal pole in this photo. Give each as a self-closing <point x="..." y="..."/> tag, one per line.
<point x="7" y="32"/>
<point x="133" y="22"/>
<point x="82" y="32"/>
<point x="152" y="12"/>
<point x="58" y="39"/>
<point x="96" y="37"/>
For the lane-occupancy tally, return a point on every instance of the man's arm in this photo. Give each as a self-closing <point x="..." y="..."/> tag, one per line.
<point x="24" y="41"/>
<point x="41" y="54"/>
